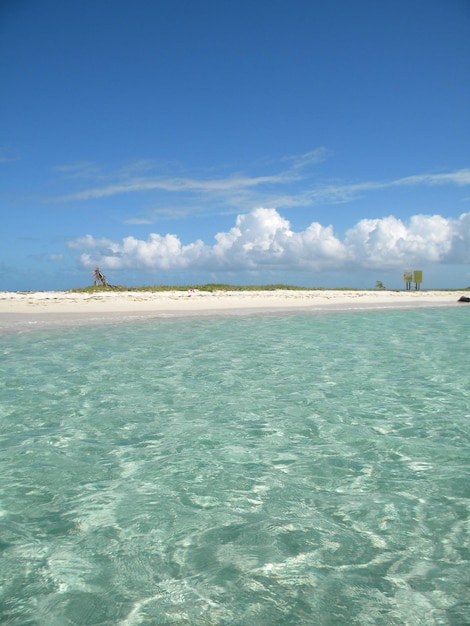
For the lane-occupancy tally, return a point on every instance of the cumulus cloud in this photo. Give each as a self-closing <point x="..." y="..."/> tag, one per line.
<point x="263" y="239"/>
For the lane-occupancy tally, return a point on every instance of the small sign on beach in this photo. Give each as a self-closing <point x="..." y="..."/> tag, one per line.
<point x="415" y="276"/>
<point x="408" y="277"/>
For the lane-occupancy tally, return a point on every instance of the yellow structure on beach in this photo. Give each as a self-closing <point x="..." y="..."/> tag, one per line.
<point x="416" y="277"/>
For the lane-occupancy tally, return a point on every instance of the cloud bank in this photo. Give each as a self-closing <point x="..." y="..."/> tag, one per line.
<point x="264" y="240"/>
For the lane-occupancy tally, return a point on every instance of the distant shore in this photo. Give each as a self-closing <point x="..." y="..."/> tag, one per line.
<point x="69" y="306"/>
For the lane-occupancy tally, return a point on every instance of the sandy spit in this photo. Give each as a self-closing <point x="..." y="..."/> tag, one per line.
<point x="70" y="305"/>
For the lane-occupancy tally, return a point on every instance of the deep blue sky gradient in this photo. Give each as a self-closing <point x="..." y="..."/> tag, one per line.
<point x="99" y="95"/>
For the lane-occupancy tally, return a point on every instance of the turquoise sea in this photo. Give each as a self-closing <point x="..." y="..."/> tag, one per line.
<point x="261" y="470"/>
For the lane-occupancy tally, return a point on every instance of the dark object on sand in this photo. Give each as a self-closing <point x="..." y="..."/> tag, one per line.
<point x="463" y="299"/>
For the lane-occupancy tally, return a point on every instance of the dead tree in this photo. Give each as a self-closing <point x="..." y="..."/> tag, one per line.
<point x="99" y="277"/>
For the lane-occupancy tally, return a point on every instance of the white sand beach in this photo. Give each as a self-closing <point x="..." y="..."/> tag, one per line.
<point x="68" y="305"/>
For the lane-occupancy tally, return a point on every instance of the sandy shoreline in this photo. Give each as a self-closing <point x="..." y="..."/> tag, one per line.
<point x="70" y="307"/>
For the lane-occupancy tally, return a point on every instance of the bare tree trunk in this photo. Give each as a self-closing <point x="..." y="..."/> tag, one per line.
<point x="99" y="277"/>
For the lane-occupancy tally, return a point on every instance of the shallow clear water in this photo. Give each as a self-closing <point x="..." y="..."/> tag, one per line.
<point x="258" y="470"/>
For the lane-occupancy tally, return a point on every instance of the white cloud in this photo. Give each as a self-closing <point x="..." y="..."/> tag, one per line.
<point x="389" y="241"/>
<point x="291" y="185"/>
<point x="179" y="184"/>
<point x="459" y="177"/>
<point x="138" y="221"/>
<point x="263" y="239"/>
<point x="309" y="158"/>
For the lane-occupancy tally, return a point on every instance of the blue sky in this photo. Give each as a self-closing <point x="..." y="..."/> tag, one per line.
<point x="311" y="142"/>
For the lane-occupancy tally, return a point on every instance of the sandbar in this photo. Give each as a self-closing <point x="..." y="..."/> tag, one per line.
<point x="80" y="307"/>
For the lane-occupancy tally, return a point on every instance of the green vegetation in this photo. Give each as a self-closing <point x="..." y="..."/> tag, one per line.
<point x="101" y="284"/>
<point x="208" y="287"/>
